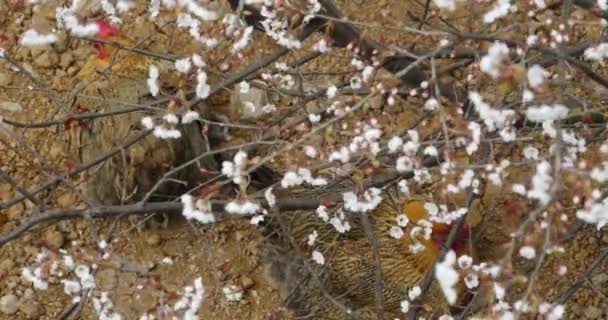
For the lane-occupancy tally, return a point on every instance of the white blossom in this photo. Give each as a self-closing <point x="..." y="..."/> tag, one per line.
<point x="33" y="38"/>
<point x="450" y="5"/>
<point x="322" y="213"/>
<point x="201" y="211"/>
<point x="243" y="41"/>
<point x="35" y="277"/>
<point x="370" y="200"/>
<point x="190" y="116"/>
<point x="331" y="92"/>
<point x="147" y="122"/>
<point x="183" y="65"/>
<point x="541" y="183"/>
<point x="447" y="276"/>
<point x="318" y="257"/>
<point x="244" y="87"/>
<point x="501" y="8"/>
<point x="531" y="153"/>
<point x="242" y="207"/>
<point x="396" y="232"/>
<point x="312" y="238"/>
<point x="536" y="75"/>
<point x="465" y="262"/>
<point x="414" y="292"/>
<point x="494" y="60"/>
<point x="202" y="88"/>
<point x="492" y="118"/>
<point x="546" y="112"/>
<point x="527" y="252"/>
<point x="314" y="118"/>
<point x="233" y="293"/>
<point x="598" y="52"/>
<point x="153" y="80"/>
<point x="471" y="280"/>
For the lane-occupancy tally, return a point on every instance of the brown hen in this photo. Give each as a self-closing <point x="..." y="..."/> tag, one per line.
<point x="344" y="286"/>
<point x="118" y="78"/>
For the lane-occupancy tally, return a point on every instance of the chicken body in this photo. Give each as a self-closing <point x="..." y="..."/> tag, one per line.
<point x="347" y="279"/>
<point x="117" y="79"/>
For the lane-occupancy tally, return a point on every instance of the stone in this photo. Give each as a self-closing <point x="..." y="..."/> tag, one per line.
<point x="106" y="279"/>
<point x="8" y="304"/>
<point x="31" y="308"/>
<point x="53" y="238"/>
<point x="246" y="282"/>
<point x="248" y="105"/>
<point x="592" y="312"/>
<point x="66" y="60"/>
<point x="47" y="59"/>
<point x="7" y="265"/>
<point x="5" y="79"/>
<point x="15" y="212"/>
<point x="153" y="239"/>
<point x="66" y="200"/>
<point x="10" y="106"/>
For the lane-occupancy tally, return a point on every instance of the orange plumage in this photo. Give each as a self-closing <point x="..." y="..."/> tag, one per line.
<point x="348" y="273"/>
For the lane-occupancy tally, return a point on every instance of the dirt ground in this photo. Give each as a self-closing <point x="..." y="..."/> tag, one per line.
<point x="146" y="258"/>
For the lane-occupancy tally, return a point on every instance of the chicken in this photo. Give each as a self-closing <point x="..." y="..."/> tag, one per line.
<point x="118" y="78"/>
<point x="348" y="273"/>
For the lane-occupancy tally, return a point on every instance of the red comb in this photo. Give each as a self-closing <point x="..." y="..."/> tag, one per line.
<point x="105" y="29"/>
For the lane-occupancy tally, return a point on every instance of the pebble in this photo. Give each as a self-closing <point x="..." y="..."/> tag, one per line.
<point x="67" y="199"/>
<point x="106" y="279"/>
<point x="5" y="79"/>
<point x="7" y="265"/>
<point x="8" y="304"/>
<point x="153" y="239"/>
<point x="144" y="300"/>
<point x="66" y="59"/>
<point x="54" y="239"/>
<point x="246" y="282"/>
<point x="239" y="235"/>
<point x="15" y="212"/>
<point x="32" y="309"/>
<point x="46" y="60"/>
<point x="10" y="106"/>
<point x="592" y="312"/>
<point x="599" y="279"/>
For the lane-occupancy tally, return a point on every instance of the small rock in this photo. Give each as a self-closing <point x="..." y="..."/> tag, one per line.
<point x="66" y="59"/>
<point x="239" y="235"/>
<point x="54" y="239"/>
<point x="153" y="239"/>
<point x="248" y="104"/>
<point x="593" y="313"/>
<point x="246" y="282"/>
<point x="605" y="238"/>
<point x="32" y="309"/>
<point x="8" y="304"/>
<point x="5" y="78"/>
<point x="599" y="279"/>
<point x="106" y="279"/>
<point x="72" y="70"/>
<point x="46" y="60"/>
<point x="56" y="150"/>
<point x="10" y="106"/>
<point x="7" y="265"/>
<point x="144" y="300"/>
<point x="67" y="199"/>
<point x="28" y="293"/>
<point x="15" y="212"/>
<point x="81" y="53"/>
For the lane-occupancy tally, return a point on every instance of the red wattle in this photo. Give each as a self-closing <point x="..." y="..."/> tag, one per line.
<point x="105" y="29"/>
